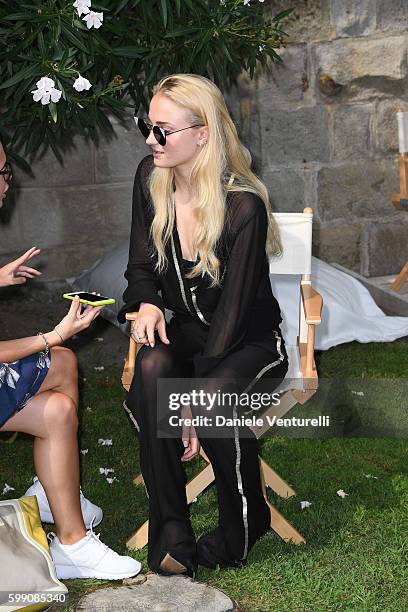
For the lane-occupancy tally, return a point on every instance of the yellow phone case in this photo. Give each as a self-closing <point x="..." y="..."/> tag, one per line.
<point x="70" y="296"/>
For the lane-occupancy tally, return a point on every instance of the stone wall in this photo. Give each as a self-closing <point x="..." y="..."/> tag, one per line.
<point x="322" y="131"/>
<point x="75" y="213"/>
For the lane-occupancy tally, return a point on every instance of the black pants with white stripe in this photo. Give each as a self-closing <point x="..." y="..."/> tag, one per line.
<point x="243" y="512"/>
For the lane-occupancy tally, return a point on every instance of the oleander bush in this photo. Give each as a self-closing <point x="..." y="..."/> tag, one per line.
<point x="71" y="66"/>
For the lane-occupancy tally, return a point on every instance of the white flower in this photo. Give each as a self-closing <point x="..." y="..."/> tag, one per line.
<point x="84" y="451"/>
<point x="82" y="83"/>
<point x="370" y="476"/>
<point x="304" y="504"/>
<point x="46" y="91"/>
<point x="93" y="20"/>
<point x="110" y="480"/>
<point x="82" y="6"/>
<point x="99" y="368"/>
<point x="7" y="488"/>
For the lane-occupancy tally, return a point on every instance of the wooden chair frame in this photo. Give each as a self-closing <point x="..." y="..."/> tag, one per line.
<point x="310" y="315"/>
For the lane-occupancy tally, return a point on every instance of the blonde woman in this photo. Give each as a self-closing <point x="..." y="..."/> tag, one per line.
<point x="201" y="233"/>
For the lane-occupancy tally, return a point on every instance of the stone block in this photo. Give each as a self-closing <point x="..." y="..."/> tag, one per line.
<point x="385" y="126"/>
<point x="163" y="593"/>
<point x="309" y="21"/>
<point x="116" y="159"/>
<point x="241" y="102"/>
<point x="357" y="190"/>
<point x="286" y="189"/>
<point x="392" y="15"/>
<point x="351" y="131"/>
<point x="294" y="135"/>
<point x="385" y="247"/>
<point x="288" y="81"/>
<point x="52" y="216"/>
<point x="353" y="17"/>
<point x="360" y="67"/>
<point x="77" y="169"/>
<point x="64" y="261"/>
<point x="10" y="225"/>
<point x="338" y="243"/>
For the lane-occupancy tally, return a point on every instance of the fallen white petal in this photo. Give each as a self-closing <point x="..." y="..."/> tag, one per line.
<point x="304" y="504"/>
<point x="105" y="471"/>
<point x="103" y="442"/>
<point x="361" y="393"/>
<point x="98" y="339"/>
<point x="341" y="493"/>
<point x="84" y="451"/>
<point x="7" y="488"/>
<point x="99" y="368"/>
<point x="370" y="476"/>
<point x="110" y="480"/>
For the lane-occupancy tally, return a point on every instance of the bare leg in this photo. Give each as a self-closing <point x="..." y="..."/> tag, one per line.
<point x="63" y="374"/>
<point x="51" y="416"/>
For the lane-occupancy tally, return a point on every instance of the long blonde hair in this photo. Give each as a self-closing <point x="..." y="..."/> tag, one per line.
<point x="224" y="155"/>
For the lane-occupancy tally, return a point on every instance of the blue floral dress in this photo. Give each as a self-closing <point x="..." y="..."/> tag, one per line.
<point x="19" y="381"/>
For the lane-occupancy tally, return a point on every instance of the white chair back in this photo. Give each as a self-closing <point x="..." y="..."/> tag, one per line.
<point x="296" y="237"/>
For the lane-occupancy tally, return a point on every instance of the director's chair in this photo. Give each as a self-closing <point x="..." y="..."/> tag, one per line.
<point x="299" y="385"/>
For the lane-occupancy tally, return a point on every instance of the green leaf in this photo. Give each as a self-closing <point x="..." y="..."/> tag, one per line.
<point x="283" y="14"/>
<point x="131" y="52"/>
<point x="19" y="17"/>
<point x="163" y="4"/>
<point x="73" y="38"/>
<point x="53" y="111"/>
<point x="26" y="73"/>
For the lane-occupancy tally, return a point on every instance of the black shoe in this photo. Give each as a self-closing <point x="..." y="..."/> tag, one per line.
<point x="170" y="566"/>
<point x="211" y="552"/>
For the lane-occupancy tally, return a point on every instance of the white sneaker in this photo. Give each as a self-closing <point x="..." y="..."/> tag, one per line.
<point x="90" y="558"/>
<point x="89" y="510"/>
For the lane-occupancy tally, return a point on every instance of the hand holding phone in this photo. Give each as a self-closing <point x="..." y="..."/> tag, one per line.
<point x="91" y="299"/>
<point x="76" y="319"/>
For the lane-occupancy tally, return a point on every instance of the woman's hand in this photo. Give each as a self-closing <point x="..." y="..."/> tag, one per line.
<point x="189" y="436"/>
<point x="149" y="318"/>
<point x="16" y="273"/>
<point x="75" y="321"/>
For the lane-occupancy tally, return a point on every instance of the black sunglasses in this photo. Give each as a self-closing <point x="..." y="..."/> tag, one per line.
<point x="159" y="133"/>
<point x="7" y="172"/>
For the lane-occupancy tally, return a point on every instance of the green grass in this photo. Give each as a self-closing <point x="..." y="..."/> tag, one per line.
<point x="355" y="557"/>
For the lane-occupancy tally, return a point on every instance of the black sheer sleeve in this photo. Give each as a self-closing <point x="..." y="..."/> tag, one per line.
<point x="143" y="283"/>
<point x="244" y="268"/>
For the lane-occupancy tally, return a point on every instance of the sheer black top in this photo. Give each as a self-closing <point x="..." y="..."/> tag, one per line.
<point x="241" y="310"/>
